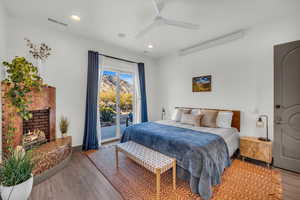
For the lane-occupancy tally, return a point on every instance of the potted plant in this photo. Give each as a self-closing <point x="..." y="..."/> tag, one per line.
<point x="16" y="175"/>
<point x="63" y="126"/>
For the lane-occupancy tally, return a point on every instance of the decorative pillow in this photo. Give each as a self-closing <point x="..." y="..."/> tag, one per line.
<point x="224" y="119"/>
<point x="198" y="119"/>
<point x="191" y="119"/>
<point x="209" y="118"/>
<point x="187" y="119"/>
<point x="186" y="111"/>
<point x="177" y="115"/>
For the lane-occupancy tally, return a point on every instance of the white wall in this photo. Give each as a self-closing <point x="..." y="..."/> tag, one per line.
<point x="242" y="74"/>
<point x="2" y="35"/>
<point x="66" y="68"/>
<point x="2" y="56"/>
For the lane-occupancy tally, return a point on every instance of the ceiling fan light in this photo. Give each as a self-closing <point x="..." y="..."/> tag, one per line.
<point x="150" y="46"/>
<point x="75" y="17"/>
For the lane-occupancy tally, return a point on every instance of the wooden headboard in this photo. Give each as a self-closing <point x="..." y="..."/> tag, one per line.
<point x="236" y="118"/>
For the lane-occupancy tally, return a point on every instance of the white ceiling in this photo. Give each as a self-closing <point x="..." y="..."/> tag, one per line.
<point x="104" y="19"/>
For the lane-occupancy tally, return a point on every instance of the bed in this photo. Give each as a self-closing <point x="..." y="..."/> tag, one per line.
<point x="202" y="154"/>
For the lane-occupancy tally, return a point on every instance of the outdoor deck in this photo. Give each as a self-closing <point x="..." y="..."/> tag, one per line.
<point x="110" y="131"/>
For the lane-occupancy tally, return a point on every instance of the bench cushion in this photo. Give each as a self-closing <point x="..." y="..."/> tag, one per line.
<point x="148" y="158"/>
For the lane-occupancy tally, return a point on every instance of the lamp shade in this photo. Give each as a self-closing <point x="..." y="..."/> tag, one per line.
<point x="260" y="123"/>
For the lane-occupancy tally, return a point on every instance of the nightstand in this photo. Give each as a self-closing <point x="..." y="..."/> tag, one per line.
<point x="252" y="147"/>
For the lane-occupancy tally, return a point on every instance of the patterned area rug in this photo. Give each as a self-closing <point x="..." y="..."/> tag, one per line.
<point x="241" y="181"/>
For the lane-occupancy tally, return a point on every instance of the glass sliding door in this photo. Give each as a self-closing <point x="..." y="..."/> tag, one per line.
<point x="126" y="100"/>
<point x="116" y="103"/>
<point x="108" y="105"/>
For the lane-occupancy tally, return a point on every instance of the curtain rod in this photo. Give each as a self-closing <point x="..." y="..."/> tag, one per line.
<point x="117" y="58"/>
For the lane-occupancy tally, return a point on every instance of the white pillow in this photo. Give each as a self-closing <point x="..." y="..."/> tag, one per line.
<point x="196" y="112"/>
<point x="176" y="116"/>
<point x="224" y="119"/>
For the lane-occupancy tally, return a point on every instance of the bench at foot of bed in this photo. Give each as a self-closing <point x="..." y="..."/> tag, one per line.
<point x="152" y="160"/>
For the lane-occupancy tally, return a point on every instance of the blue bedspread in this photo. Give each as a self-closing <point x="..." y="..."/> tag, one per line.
<point x="201" y="157"/>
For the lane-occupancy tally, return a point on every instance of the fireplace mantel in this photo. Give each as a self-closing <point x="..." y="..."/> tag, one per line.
<point x="41" y="100"/>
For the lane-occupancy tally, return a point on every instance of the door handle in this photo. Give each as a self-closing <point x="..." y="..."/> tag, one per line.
<point x="278" y="106"/>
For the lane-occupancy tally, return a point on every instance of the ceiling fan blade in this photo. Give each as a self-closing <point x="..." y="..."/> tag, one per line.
<point x="158" y="5"/>
<point x="147" y="29"/>
<point x="181" y="24"/>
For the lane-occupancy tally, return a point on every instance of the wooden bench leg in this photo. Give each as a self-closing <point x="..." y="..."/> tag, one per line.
<point x="174" y="174"/>
<point x="117" y="157"/>
<point x="157" y="184"/>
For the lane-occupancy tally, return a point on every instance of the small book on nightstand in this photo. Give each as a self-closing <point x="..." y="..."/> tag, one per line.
<point x="252" y="147"/>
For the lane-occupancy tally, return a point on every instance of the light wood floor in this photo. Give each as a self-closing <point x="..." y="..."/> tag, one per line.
<point x="291" y="185"/>
<point x="81" y="180"/>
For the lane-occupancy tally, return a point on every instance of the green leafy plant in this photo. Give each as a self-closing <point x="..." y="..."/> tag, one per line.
<point x="64" y="125"/>
<point x="22" y="78"/>
<point x="9" y="138"/>
<point x="107" y="113"/>
<point x="108" y="98"/>
<point x="16" y="168"/>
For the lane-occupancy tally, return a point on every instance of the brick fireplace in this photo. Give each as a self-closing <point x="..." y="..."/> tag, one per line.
<point x="43" y="109"/>
<point x="51" y="153"/>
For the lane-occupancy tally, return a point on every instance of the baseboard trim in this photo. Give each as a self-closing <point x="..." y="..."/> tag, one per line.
<point x="110" y="140"/>
<point x="77" y="148"/>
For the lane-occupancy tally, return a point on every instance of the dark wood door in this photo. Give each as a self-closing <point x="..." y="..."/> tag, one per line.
<point x="287" y="106"/>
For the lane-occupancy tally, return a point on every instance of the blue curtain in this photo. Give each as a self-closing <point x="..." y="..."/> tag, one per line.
<point x="144" y="113"/>
<point x="90" y="139"/>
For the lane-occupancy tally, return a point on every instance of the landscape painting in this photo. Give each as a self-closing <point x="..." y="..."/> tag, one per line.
<point x="202" y="84"/>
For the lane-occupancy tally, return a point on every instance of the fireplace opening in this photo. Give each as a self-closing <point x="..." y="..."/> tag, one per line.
<point x="36" y="131"/>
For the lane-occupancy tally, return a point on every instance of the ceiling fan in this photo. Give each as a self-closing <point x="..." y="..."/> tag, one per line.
<point x="159" y="20"/>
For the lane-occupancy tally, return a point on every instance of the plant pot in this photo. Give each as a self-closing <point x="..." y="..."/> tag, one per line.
<point x="18" y="192"/>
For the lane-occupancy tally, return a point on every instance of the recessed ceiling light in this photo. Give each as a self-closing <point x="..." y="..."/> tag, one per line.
<point x="75" y="17"/>
<point x="150" y="46"/>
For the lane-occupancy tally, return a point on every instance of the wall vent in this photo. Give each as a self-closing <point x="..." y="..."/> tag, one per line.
<point x="57" y="22"/>
<point x="213" y="42"/>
